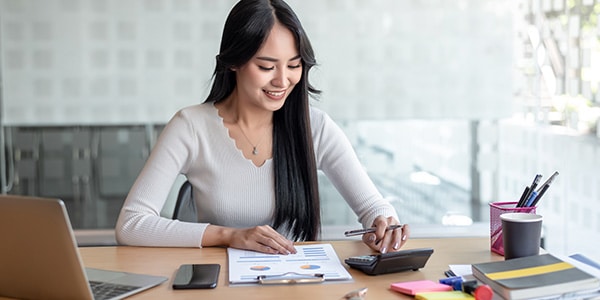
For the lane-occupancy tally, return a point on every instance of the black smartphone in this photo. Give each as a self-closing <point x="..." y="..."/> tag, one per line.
<point x="197" y="276"/>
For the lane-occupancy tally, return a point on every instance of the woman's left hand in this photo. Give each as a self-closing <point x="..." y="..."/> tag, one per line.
<point x="384" y="240"/>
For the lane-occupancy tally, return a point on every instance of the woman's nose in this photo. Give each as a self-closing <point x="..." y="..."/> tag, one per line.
<point x="279" y="78"/>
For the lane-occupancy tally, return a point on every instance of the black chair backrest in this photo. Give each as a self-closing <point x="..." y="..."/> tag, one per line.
<point x="185" y="207"/>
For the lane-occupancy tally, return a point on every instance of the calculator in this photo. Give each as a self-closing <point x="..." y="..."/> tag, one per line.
<point x="391" y="262"/>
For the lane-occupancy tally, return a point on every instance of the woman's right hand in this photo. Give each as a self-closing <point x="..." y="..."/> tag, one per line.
<point x="260" y="238"/>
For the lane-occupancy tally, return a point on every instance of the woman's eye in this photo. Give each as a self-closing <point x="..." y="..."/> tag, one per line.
<point x="295" y="66"/>
<point x="266" y="68"/>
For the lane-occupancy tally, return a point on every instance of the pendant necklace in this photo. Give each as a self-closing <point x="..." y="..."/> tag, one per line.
<point x="254" y="147"/>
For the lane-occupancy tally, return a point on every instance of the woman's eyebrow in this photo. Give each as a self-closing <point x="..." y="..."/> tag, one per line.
<point x="271" y="59"/>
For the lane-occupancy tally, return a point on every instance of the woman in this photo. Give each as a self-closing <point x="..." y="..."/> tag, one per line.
<point x="252" y="151"/>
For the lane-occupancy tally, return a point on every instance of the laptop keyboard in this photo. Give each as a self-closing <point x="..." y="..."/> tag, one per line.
<point x="104" y="290"/>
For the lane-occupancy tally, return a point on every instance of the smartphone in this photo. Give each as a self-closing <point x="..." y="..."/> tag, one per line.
<point x="197" y="276"/>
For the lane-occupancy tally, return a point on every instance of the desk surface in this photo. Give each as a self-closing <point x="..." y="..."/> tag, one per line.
<point x="165" y="261"/>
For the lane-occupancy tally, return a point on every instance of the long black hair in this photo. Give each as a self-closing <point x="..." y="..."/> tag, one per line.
<point x="297" y="208"/>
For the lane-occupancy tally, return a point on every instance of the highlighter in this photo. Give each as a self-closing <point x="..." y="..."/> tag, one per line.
<point x="480" y="292"/>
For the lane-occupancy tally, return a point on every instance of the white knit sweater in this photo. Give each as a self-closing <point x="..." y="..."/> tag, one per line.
<point x="229" y="189"/>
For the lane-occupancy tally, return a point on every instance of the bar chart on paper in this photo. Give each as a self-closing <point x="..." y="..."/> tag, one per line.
<point x="245" y="266"/>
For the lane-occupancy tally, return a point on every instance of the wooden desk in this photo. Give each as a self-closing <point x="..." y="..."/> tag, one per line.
<point x="165" y="261"/>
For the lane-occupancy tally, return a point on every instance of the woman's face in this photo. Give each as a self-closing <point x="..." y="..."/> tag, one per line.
<point x="269" y="77"/>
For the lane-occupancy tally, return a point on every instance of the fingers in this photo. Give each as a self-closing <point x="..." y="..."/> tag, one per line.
<point x="405" y="233"/>
<point x="384" y="240"/>
<point x="276" y="245"/>
<point x="263" y="239"/>
<point x="369" y="238"/>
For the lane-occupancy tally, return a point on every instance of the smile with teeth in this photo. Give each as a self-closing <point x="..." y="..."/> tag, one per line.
<point x="275" y="94"/>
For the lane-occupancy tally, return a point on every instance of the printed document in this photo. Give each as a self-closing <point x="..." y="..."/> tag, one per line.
<point x="245" y="266"/>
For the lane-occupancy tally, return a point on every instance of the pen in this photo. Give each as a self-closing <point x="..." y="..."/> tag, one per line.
<point x="543" y="189"/>
<point x="455" y="282"/>
<point x="368" y="230"/>
<point x="523" y="197"/>
<point x="532" y="197"/>
<point x="449" y="273"/>
<point x="536" y="181"/>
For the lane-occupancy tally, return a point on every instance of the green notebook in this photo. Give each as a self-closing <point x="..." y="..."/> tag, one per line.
<point x="534" y="276"/>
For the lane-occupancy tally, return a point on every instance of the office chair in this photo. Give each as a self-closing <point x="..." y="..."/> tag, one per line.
<point x="185" y="207"/>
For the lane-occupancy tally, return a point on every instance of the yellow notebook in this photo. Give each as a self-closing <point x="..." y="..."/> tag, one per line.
<point x="452" y="295"/>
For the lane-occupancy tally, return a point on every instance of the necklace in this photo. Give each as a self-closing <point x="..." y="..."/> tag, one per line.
<point x="254" y="147"/>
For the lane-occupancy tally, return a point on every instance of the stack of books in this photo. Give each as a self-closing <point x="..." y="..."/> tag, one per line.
<point x="534" y="277"/>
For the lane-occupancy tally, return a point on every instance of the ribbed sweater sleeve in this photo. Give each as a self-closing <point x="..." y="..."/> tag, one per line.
<point x="338" y="161"/>
<point x="139" y="222"/>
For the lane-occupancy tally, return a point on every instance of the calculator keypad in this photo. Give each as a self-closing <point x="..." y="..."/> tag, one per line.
<point x="365" y="259"/>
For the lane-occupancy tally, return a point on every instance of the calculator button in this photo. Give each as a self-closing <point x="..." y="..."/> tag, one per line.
<point x="364" y="258"/>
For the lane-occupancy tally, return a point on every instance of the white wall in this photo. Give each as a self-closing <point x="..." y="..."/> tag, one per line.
<point x="138" y="61"/>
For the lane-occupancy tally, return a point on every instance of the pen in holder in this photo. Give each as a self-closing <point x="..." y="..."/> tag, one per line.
<point x="496" y="209"/>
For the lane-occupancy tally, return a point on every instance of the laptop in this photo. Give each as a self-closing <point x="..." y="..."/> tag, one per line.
<point x="39" y="258"/>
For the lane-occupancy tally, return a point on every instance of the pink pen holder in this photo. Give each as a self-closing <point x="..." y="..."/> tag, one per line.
<point x="496" y="209"/>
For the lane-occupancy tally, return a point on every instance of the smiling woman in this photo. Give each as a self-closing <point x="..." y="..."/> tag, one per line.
<point x="252" y="151"/>
<point x="263" y="85"/>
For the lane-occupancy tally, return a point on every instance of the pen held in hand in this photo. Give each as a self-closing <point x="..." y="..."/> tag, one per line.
<point x="368" y="230"/>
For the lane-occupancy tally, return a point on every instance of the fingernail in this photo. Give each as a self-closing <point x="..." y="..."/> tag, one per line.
<point x="404" y="237"/>
<point x="396" y="246"/>
<point x="371" y="238"/>
<point x="383" y="250"/>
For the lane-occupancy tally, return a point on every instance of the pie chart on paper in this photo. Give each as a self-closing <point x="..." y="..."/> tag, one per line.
<point x="310" y="267"/>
